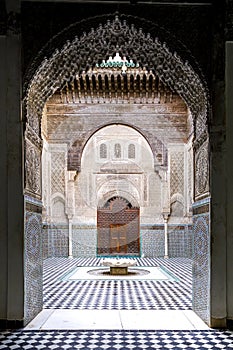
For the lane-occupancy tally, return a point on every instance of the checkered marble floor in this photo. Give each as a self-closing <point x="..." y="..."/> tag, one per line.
<point x="125" y="340"/>
<point x="117" y="294"/>
<point x="105" y="294"/>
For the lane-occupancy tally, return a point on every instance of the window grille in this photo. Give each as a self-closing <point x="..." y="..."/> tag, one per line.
<point x="117" y="150"/>
<point x="103" y="150"/>
<point x="131" y="151"/>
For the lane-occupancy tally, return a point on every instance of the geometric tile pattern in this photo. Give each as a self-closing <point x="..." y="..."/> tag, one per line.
<point x="152" y="242"/>
<point x="118" y="294"/>
<point x="33" y="265"/>
<point x="84" y="242"/>
<point x="137" y="340"/>
<point x="57" y="237"/>
<point x="180" y="242"/>
<point x="201" y="266"/>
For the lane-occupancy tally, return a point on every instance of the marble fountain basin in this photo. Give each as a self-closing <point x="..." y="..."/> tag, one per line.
<point x="118" y="266"/>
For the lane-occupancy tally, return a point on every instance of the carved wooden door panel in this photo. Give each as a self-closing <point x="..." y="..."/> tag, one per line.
<point x="118" y="239"/>
<point x="118" y="226"/>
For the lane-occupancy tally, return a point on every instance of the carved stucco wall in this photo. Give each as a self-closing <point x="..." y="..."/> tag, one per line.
<point x="202" y="171"/>
<point x="97" y="177"/>
<point x="100" y="179"/>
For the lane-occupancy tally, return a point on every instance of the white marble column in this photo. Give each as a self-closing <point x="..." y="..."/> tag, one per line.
<point x="166" y="250"/>
<point x="70" y="236"/>
<point x="70" y="208"/>
<point x="165" y="210"/>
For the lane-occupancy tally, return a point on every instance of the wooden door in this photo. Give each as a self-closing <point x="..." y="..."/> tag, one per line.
<point x="118" y="239"/>
<point x="118" y="226"/>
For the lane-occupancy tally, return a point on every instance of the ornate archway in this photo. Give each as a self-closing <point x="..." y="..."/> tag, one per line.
<point x="120" y="34"/>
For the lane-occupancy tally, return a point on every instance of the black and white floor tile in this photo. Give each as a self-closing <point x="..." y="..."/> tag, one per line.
<point x="110" y="295"/>
<point x="124" y="340"/>
<point x="117" y="294"/>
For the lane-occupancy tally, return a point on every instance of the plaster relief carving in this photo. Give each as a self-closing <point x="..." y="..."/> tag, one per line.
<point x="177" y="172"/>
<point x="58" y="172"/>
<point x="201" y="171"/>
<point x="32" y="135"/>
<point x="33" y="168"/>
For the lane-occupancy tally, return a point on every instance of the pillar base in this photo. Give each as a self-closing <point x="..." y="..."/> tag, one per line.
<point x="218" y="322"/>
<point x="230" y="324"/>
<point x="11" y="324"/>
<point x="166" y="257"/>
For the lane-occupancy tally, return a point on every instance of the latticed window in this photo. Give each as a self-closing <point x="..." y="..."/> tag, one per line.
<point x="131" y="151"/>
<point x="117" y="150"/>
<point x="103" y="150"/>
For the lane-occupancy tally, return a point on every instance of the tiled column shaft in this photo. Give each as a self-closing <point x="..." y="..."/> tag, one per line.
<point x="201" y="259"/>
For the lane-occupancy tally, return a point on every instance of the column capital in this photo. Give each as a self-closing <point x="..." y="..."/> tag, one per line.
<point x="166" y="214"/>
<point x="71" y="175"/>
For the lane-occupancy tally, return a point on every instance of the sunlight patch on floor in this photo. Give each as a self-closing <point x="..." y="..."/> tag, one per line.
<point x="117" y="320"/>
